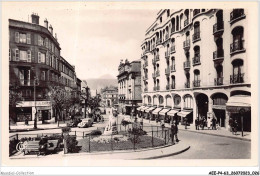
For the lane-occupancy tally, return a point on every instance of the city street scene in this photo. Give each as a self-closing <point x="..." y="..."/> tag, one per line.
<point x="131" y="84"/>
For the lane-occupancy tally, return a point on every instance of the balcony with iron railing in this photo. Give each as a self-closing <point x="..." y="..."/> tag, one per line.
<point x="196" y="12"/>
<point x="237" y="78"/>
<point x="157" y="73"/>
<point x="173" y="49"/>
<point x="167" y="87"/>
<point x="157" y="88"/>
<point x="173" y="29"/>
<point x="157" y="58"/>
<point x="218" y="55"/>
<point x="218" y="81"/>
<point x="186" y="65"/>
<point x="167" y="54"/>
<point x="186" y="22"/>
<point x="218" y="27"/>
<point x="196" y="36"/>
<point x="154" y="75"/>
<point x="153" y="61"/>
<point x="196" y="60"/>
<point x="236" y="15"/>
<point x="167" y="36"/>
<point x="187" y="85"/>
<point x="186" y="44"/>
<point x="154" y="88"/>
<point x="158" y="41"/>
<point x="172" y="86"/>
<point x="26" y="82"/>
<point x="145" y="63"/>
<point x="145" y="89"/>
<point x="196" y="83"/>
<point x="237" y="47"/>
<point x="173" y="68"/>
<point x="167" y="71"/>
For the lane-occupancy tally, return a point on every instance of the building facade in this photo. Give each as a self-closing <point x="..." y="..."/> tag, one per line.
<point x="195" y="63"/>
<point x="109" y="96"/>
<point x="34" y="65"/>
<point x="129" y="86"/>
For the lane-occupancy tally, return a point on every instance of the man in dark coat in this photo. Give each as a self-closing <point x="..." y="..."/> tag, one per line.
<point x="174" y="131"/>
<point x="214" y="120"/>
<point x="197" y="123"/>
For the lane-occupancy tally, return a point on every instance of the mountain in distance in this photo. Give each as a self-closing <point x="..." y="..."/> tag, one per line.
<point x="106" y="80"/>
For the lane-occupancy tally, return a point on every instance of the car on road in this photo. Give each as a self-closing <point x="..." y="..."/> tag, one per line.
<point x="74" y="123"/>
<point x="85" y="123"/>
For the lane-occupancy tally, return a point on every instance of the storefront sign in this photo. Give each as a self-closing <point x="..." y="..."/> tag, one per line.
<point x="236" y="109"/>
<point x="31" y="103"/>
<point x="219" y="107"/>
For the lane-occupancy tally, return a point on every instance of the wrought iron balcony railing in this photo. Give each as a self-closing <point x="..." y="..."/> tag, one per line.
<point x="237" y="46"/>
<point x="218" y="54"/>
<point x="218" y="81"/>
<point x="237" y="78"/>
<point x="217" y="27"/>
<point x="196" y="83"/>
<point x="236" y="13"/>
<point x="196" y="60"/>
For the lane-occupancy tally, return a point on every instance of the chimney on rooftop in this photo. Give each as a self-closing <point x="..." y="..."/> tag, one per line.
<point x="51" y="29"/>
<point x="35" y="18"/>
<point x="46" y="23"/>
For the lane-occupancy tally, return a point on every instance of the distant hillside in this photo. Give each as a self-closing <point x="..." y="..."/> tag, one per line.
<point x="97" y="84"/>
<point x="107" y="76"/>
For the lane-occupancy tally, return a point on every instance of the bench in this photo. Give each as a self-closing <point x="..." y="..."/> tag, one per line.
<point x="52" y="145"/>
<point x="31" y="146"/>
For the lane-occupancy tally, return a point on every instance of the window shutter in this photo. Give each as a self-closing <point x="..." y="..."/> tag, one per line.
<point x="39" y="57"/>
<point x="16" y="54"/>
<point x="10" y="55"/>
<point x="17" y="37"/>
<point x="29" y="56"/>
<point x="28" y="36"/>
<point x="29" y="77"/>
<point x="22" y="77"/>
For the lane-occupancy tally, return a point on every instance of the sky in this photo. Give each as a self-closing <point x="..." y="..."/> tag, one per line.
<point x="92" y="39"/>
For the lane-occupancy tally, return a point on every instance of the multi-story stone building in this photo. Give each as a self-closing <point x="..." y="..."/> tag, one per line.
<point x="109" y="96"/>
<point x="129" y="86"/>
<point x="35" y="62"/>
<point x="195" y="64"/>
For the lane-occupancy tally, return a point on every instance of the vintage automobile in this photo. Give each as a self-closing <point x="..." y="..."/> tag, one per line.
<point x="85" y="123"/>
<point x="74" y="123"/>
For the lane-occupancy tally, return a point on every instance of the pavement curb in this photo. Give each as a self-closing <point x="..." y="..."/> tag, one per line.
<point x="233" y="137"/>
<point x="167" y="155"/>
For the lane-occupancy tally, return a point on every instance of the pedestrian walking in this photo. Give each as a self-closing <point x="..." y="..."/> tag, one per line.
<point x="231" y="125"/>
<point x="214" y="121"/>
<point x="208" y="123"/>
<point x="203" y="122"/>
<point x="197" y="123"/>
<point x="235" y="127"/>
<point x="174" y="131"/>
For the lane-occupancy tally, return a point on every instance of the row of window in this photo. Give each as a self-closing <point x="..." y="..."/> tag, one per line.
<point x="41" y="41"/>
<point x="45" y="58"/>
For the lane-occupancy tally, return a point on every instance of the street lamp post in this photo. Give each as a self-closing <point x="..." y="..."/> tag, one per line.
<point x="86" y="99"/>
<point x="242" y="112"/>
<point x="34" y="97"/>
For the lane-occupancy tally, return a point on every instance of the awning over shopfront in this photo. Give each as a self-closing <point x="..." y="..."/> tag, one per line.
<point x="139" y="108"/>
<point x="144" y="108"/>
<point x="172" y="112"/>
<point x="149" y="109"/>
<point x="164" y="111"/>
<point x="183" y="113"/>
<point x="238" y="102"/>
<point x="157" y="110"/>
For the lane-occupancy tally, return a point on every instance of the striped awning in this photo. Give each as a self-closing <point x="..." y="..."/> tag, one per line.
<point x="164" y="111"/>
<point x="173" y="112"/>
<point x="157" y="110"/>
<point x="183" y="113"/>
<point x="139" y="108"/>
<point x="149" y="109"/>
<point x="144" y="108"/>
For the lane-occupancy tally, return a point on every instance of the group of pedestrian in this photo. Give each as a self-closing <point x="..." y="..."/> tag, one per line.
<point x="208" y="123"/>
<point x="233" y="125"/>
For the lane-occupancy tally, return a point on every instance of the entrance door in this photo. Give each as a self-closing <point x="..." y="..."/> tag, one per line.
<point x="221" y="116"/>
<point x="202" y="104"/>
<point x="45" y="114"/>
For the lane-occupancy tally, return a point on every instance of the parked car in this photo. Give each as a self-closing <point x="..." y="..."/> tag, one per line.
<point x="85" y="123"/>
<point x="74" y="123"/>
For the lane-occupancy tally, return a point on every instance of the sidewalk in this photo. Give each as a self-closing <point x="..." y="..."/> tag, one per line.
<point x="21" y="128"/>
<point x="150" y="153"/>
<point x="221" y="132"/>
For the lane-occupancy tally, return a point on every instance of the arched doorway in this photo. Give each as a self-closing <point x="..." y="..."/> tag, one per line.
<point x="219" y="108"/>
<point x="202" y="105"/>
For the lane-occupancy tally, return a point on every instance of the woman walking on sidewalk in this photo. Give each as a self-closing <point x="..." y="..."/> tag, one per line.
<point x="174" y="131"/>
